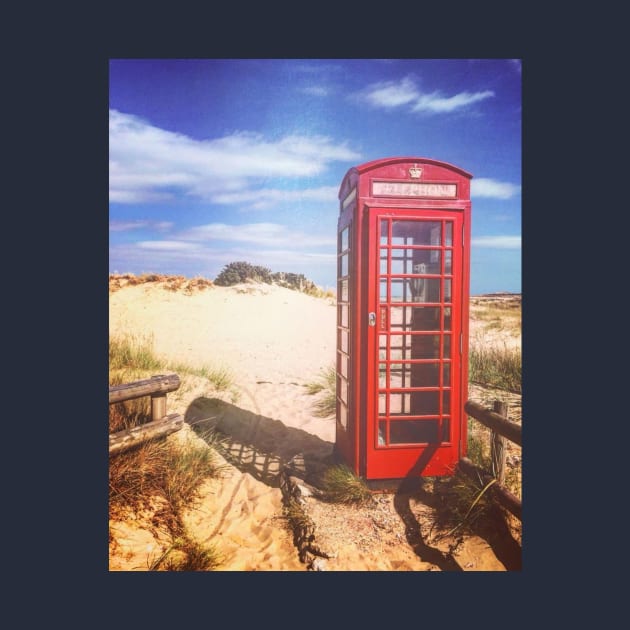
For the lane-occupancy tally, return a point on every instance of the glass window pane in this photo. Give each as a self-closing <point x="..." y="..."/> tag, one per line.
<point x="343" y="315"/>
<point x="425" y="347"/>
<point x="436" y="233"/>
<point x="447" y="347"/>
<point x="400" y="375"/>
<point x="344" y="239"/>
<point x="413" y="432"/>
<point x="384" y="227"/>
<point x="381" y="404"/>
<point x="401" y="265"/>
<point x="400" y="317"/>
<point x="383" y="268"/>
<point x="382" y="432"/>
<point x="400" y="347"/>
<point x="447" y="318"/>
<point x="449" y="234"/>
<point x="447" y="290"/>
<point x="382" y="346"/>
<point x="403" y="375"/>
<point x="400" y="291"/>
<point x="425" y="375"/>
<point x="446" y="430"/>
<point x="448" y="261"/>
<point x="446" y="406"/>
<point x="425" y="403"/>
<point x="416" y="233"/>
<point x="344" y="341"/>
<point x="425" y="289"/>
<point x="446" y="369"/>
<point x="343" y="415"/>
<point x="344" y="290"/>
<point x="426" y="261"/>
<point x="382" y="375"/>
<point x="399" y="404"/>
<point x="343" y="364"/>
<point x="423" y="317"/>
<point x="344" y="265"/>
<point x="434" y="266"/>
<point x="383" y="291"/>
<point x="343" y="389"/>
<point x="406" y="347"/>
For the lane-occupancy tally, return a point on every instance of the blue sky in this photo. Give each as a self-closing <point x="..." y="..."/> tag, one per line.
<point x="213" y="161"/>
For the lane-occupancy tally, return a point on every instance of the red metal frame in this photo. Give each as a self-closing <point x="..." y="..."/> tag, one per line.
<point x="417" y="193"/>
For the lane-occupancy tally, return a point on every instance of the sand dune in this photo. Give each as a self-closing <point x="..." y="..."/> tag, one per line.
<point x="272" y="339"/>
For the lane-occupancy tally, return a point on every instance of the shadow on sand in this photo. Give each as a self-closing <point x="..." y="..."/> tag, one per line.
<point x="258" y="445"/>
<point x="408" y="488"/>
<point x="495" y="530"/>
<point x="264" y="447"/>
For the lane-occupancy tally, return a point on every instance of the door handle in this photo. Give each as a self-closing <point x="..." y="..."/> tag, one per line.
<point x="372" y="319"/>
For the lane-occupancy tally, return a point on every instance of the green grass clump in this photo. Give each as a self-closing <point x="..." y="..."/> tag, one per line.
<point x="127" y="352"/>
<point x="465" y="505"/>
<point x="496" y="367"/>
<point x="161" y="469"/>
<point x="326" y="384"/>
<point x="169" y="476"/>
<point x="192" y="556"/>
<point x="341" y="485"/>
<point x="478" y="444"/>
<point x="133" y="358"/>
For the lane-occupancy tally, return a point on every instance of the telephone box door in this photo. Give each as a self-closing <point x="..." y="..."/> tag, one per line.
<point x="414" y="343"/>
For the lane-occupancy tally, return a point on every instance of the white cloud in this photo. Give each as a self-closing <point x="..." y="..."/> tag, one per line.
<point x="261" y="234"/>
<point x="484" y="187"/>
<point x="392" y="94"/>
<point x="264" y="198"/>
<point x="126" y="226"/>
<point x="173" y="246"/>
<point x="439" y="104"/>
<point x="497" y="242"/>
<point x="149" y="164"/>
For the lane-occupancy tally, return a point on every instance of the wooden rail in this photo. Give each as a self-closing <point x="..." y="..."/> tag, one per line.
<point x="161" y="424"/>
<point x="502" y="428"/>
<point x="494" y="421"/>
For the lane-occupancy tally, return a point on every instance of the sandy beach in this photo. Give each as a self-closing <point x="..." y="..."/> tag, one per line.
<point x="273" y="342"/>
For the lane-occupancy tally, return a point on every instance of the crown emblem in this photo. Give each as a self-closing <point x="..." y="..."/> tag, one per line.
<point x="415" y="172"/>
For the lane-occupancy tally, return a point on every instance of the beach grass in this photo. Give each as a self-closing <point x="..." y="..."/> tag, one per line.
<point x="160" y="476"/>
<point x="340" y="485"/>
<point x="325" y="384"/>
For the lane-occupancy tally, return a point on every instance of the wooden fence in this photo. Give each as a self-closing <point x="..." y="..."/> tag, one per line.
<point x="161" y="424"/>
<point x="502" y="429"/>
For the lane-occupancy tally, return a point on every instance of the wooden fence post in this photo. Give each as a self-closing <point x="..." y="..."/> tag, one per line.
<point x="158" y="403"/>
<point x="160" y="425"/>
<point x="497" y="445"/>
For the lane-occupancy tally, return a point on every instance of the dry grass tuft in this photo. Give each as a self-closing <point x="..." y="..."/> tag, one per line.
<point x="340" y="485"/>
<point x="168" y="282"/>
<point x="160" y="478"/>
<point x="326" y="384"/>
<point x="465" y="506"/>
<point x="163" y="479"/>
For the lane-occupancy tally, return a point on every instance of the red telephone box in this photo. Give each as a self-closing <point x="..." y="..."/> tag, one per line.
<point x="402" y="320"/>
